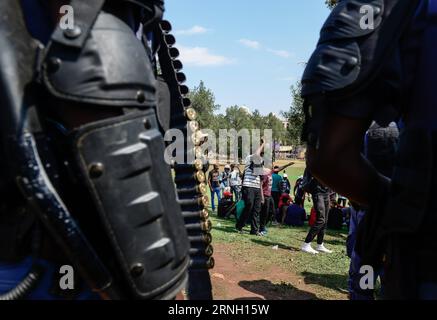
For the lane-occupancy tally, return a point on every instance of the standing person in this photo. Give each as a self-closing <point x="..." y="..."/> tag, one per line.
<point x="380" y="149"/>
<point x="252" y="192"/>
<point x="296" y="185"/>
<point x="214" y="185"/>
<point x="391" y="74"/>
<point x="225" y="178"/>
<point x="355" y="293"/>
<point x="285" y="184"/>
<point x="268" y="208"/>
<point x="336" y="217"/>
<point x="276" y="185"/>
<point x="321" y="201"/>
<point x="299" y="193"/>
<point x="235" y="182"/>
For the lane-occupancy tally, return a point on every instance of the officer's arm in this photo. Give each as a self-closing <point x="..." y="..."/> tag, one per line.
<point x="338" y="161"/>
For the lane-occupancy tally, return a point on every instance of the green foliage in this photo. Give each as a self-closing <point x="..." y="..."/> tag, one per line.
<point x="258" y="120"/>
<point x="295" y="116"/>
<point x="203" y="101"/>
<point x="331" y="3"/>
<point x="238" y="118"/>
<point x="235" y="117"/>
<point x="276" y="125"/>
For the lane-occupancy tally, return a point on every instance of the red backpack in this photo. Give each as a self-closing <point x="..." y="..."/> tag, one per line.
<point x="313" y="217"/>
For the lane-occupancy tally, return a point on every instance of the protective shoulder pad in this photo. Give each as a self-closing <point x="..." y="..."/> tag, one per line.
<point x="357" y="38"/>
<point x="111" y="69"/>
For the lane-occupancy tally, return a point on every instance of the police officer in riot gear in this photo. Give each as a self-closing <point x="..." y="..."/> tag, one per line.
<point x="83" y="180"/>
<point x="376" y="61"/>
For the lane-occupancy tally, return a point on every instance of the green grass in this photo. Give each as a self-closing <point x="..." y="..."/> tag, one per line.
<point x="326" y="274"/>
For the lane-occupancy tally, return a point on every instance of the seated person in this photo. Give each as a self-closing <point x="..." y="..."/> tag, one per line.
<point x="336" y="217"/>
<point x="284" y="202"/>
<point x="295" y="216"/>
<point x="227" y="205"/>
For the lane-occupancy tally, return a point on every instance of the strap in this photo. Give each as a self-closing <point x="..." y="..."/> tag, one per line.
<point x="85" y="15"/>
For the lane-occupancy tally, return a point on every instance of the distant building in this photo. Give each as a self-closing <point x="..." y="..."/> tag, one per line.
<point x="285" y="122"/>
<point x="246" y="109"/>
<point x="289" y="152"/>
<point x="284" y="152"/>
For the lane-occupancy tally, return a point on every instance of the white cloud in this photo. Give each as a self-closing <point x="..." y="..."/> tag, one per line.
<point x="192" y="31"/>
<point x="250" y="43"/>
<point x="202" y="57"/>
<point x="280" y="53"/>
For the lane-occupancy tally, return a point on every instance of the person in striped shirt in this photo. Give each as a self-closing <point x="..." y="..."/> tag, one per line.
<point x="252" y="192"/>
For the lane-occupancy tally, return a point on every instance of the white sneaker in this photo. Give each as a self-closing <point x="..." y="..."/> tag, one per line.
<point x="306" y="247"/>
<point x="321" y="248"/>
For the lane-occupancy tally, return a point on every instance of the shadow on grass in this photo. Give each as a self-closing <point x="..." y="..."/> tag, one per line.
<point x="230" y="229"/>
<point x="335" y="242"/>
<point x="338" y="233"/>
<point x="336" y="282"/>
<point x="272" y="244"/>
<point x="272" y="291"/>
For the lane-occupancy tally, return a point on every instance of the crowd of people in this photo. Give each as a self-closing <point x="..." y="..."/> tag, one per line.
<point x="259" y="196"/>
<point x="266" y="196"/>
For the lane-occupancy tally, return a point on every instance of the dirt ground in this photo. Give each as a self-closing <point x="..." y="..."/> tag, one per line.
<point x="233" y="280"/>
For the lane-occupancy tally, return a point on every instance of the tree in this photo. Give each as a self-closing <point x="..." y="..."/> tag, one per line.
<point x="331" y="3"/>
<point x="220" y="122"/>
<point x="237" y="118"/>
<point x="258" y="120"/>
<point x="203" y="101"/>
<point x="295" y="116"/>
<point x="276" y="125"/>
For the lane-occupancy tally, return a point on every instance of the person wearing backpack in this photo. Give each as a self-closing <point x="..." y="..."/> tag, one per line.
<point x="235" y="182"/>
<point x="285" y="184"/>
<point x="225" y="177"/>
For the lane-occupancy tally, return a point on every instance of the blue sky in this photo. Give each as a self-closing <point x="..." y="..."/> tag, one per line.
<point x="248" y="52"/>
